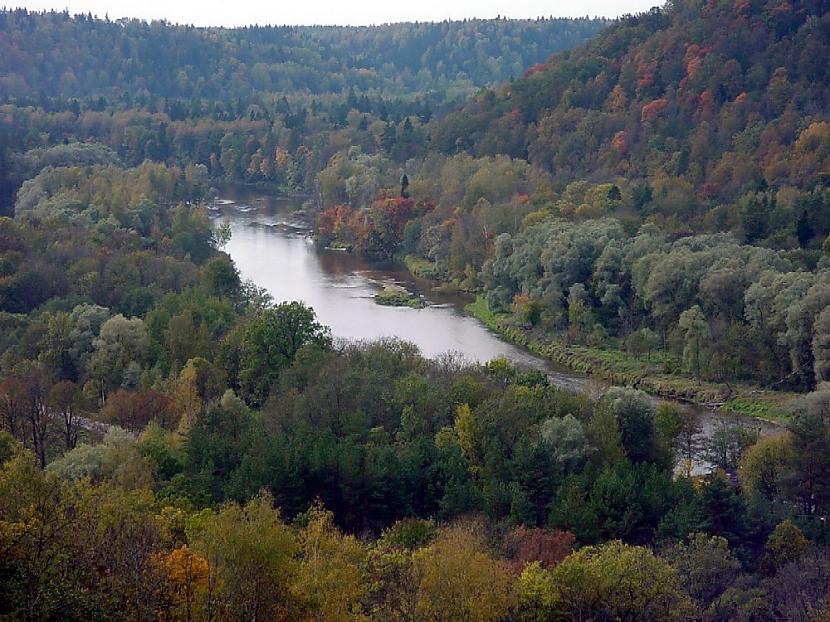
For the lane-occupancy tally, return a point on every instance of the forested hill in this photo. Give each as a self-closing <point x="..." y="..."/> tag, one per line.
<point x="729" y="95"/>
<point x="58" y="55"/>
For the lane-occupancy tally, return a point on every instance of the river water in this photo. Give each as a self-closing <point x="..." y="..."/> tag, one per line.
<point x="273" y="248"/>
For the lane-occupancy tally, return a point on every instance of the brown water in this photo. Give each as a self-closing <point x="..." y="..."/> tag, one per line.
<point x="273" y="248"/>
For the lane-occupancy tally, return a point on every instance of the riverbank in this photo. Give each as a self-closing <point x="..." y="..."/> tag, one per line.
<point x="616" y="367"/>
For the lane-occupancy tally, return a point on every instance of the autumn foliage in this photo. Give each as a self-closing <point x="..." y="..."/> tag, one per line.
<point x="376" y="230"/>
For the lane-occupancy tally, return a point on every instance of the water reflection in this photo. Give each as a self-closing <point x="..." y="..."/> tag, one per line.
<point x="340" y="287"/>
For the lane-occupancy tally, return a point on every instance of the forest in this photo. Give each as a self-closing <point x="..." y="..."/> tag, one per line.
<point x="175" y="445"/>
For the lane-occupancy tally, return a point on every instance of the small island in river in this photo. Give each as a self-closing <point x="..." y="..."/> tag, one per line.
<point x="397" y="296"/>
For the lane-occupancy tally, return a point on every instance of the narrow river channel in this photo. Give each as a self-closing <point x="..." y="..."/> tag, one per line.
<point x="274" y="249"/>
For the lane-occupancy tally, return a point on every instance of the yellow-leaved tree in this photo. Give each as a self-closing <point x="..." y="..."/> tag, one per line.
<point x="613" y="581"/>
<point x="460" y="581"/>
<point x="328" y="581"/>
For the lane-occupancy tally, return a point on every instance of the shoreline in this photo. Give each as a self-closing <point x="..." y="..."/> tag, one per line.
<point x="749" y="401"/>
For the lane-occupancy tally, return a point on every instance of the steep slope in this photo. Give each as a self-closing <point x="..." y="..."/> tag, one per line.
<point x="729" y="95"/>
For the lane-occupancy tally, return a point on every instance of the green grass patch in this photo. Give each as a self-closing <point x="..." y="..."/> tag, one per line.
<point x="768" y="405"/>
<point x="422" y="268"/>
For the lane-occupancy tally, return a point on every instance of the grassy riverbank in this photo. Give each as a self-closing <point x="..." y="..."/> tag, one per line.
<point x="420" y="267"/>
<point x="616" y="366"/>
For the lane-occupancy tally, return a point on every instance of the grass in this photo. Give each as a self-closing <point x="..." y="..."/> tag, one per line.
<point x="422" y="268"/>
<point x="618" y="367"/>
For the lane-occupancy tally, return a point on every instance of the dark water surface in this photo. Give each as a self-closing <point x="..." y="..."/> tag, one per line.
<point x="271" y="246"/>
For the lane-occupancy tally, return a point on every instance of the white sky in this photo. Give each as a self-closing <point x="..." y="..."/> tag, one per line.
<point x="355" y="12"/>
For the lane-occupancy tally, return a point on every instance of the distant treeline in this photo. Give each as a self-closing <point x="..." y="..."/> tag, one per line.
<point x="58" y="55"/>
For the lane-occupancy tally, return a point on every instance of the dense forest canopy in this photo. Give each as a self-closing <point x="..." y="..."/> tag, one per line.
<point x="257" y="104"/>
<point x="61" y="56"/>
<point x="156" y="410"/>
<point x="655" y="204"/>
<point x="728" y="96"/>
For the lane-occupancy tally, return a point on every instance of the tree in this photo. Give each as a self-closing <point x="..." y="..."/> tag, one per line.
<point x="329" y="576"/>
<point x="222" y="278"/>
<point x="705" y="565"/>
<point x="122" y="539"/>
<point x="133" y="410"/>
<point x="38" y="538"/>
<point x="803" y="229"/>
<point x="404" y="186"/>
<point x="469" y="433"/>
<point x="120" y="346"/>
<point x="726" y="443"/>
<point x="67" y="400"/>
<point x="12" y="405"/>
<point x="459" y="582"/>
<point x="187" y="575"/>
<point x="392" y="592"/>
<point x="580" y="316"/>
<point x="222" y="234"/>
<point x="810" y="434"/>
<point x="634" y="414"/>
<point x="765" y="467"/>
<point x="251" y="559"/>
<point x="269" y="343"/>
<point x="679" y="430"/>
<point x="642" y="340"/>
<point x="695" y="337"/>
<point x="36" y="385"/>
<point x="116" y="460"/>
<point x="199" y="383"/>
<point x="565" y="438"/>
<point x="548" y="548"/>
<point x="821" y="346"/>
<point x="756" y="209"/>
<point x="616" y="581"/>
<point x="785" y="544"/>
<point x="604" y="433"/>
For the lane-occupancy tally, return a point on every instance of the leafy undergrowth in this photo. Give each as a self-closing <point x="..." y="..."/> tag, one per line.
<point x="617" y="367"/>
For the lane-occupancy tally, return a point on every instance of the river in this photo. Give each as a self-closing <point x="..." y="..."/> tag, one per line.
<point x="273" y="248"/>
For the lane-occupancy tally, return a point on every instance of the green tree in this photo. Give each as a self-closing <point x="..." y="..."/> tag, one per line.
<point x="695" y="338"/>
<point x="786" y="543"/>
<point x="269" y="343"/>
<point x="615" y="581"/>
<point x="706" y="566"/>
<point x="251" y="556"/>
<point x="765" y="467"/>
<point x="634" y="413"/>
<point x="119" y="349"/>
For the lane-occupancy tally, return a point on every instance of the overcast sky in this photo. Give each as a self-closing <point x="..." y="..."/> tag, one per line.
<point x="229" y="13"/>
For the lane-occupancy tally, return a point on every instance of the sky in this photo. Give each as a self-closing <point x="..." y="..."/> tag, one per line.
<point x="342" y="12"/>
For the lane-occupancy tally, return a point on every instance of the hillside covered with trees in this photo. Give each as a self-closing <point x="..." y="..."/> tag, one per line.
<point x="664" y="187"/>
<point x="257" y="104"/>
<point x="724" y="97"/>
<point x="654" y="205"/>
<point x="59" y="56"/>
